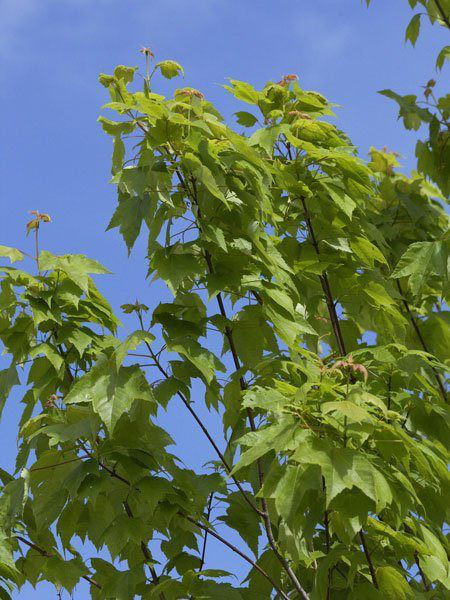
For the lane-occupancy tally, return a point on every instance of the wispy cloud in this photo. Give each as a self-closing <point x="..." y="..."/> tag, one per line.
<point x="14" y="14"/>
<point x="17" y="18"/>
<point x="324" y="37"/>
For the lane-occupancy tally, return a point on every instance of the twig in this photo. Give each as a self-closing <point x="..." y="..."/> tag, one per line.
<point x="426" y="585"/>
<point x="64" y="462"/>
<point x="341" y="345"/>
<point x="200" y="424"/>
<point x="362" y="537"/>
<point x="36" y="243"/>
<point x="445" y="17"/>
<point x="264" y="513"/>
<point x="326" y="287"/>
<point x="205" y="537"/>
<point x="43" y="552"/>
<point x="145" y="551"/>
<point x="237" y="551"/>
<point x="422" y="341"/>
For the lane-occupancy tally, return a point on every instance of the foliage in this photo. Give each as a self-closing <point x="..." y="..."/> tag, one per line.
<point x="433" y="153"/>
<point x="325" y="280"/>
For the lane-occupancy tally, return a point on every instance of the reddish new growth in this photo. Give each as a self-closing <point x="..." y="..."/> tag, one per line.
<point x="352" y="366"/>
<point x="147" y="52"/>
<point x="287" y="79"/>
<point x="51" y="401"/>
<point x="37" y="220"/>
<point x="299" y="114"/>
<point x="190" y="92"/>
<point x="386" y="150"/>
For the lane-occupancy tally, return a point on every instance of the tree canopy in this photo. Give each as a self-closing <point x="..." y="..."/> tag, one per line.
<point x="308" y="312"/>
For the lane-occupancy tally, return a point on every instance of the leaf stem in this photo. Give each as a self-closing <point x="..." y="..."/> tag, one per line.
<point x="36" y="245"/>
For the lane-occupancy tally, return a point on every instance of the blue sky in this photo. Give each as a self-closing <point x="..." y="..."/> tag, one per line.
<point x="55" y="158"/>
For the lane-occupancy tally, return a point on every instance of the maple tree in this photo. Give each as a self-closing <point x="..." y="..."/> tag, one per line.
<point x="308" y="314"/>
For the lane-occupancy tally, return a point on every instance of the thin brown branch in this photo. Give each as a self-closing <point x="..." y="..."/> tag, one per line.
<point x="64" y="462"/>
<point x="326" y="523"/>
<point x="36" y="244"/>
<point x="444" y="16"/>
<point x="326" y="286"/>
<point x="373" y="575"/>
<point x="47" y="554"/>
<point x="202" y="426"/>
<point x="422" y="341"/>
<point x="205" y="537"/>
<point x="426" y="585"/>
<point x="239" y="552"/>
<point x="229" y="335"/>
<point x="341" y="345"/>
<point x="145" y="551"/>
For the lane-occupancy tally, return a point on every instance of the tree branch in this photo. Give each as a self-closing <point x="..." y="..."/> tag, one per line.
<point x="145" y="552"/>
<point x="426" y="585"/>
<point x="239" y="552"/>
<point x="43" y="552"/>
<point x="201" y="425"/>
<point x="445" y="17"/>
<point x="326" y="287"/>
<point x="229" y="335"/>
<point x="422" y="340"/>
<point x="341" y="345"/>
<point x="362" y="537"/>
<point x="205" y="537"/>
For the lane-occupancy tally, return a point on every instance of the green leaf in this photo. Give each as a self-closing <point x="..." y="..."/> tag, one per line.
<point x="170" y="68"/>
<point x="50" y="352"/>
<point x="243" y="91"/>
<point x="66" y="573"/>
<point x="202" y="359"/>
<point x="412" y="31"/>
<point x="412" y="114"/>
<point x="259" y="443"/>
<point x="443" y="56"/>
<point x="4" y="595"/>
<point x="243" y="519"/>
<point x="130" y="343"/>
<point x="129" y="215"/>
<point x="13" y="254"/>
<point x="392" y="584"/>
<point x="419" y="260"/>
<point x="111" y="392"/>
<point x="175" y="265"/>
<point x="349" y="409"/>
<point x="246" y="119"/>
<point x="8" y="379"/>
<point x="77" y="267"/>
<point x="367" y="252"/>
<point x="342" y="468"/>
